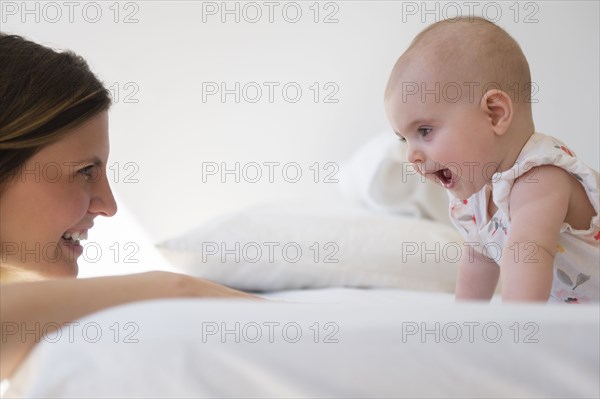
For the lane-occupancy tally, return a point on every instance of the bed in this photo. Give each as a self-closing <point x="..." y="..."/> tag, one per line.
<point x="359" y="303"/>
<point x="331" y="342"/>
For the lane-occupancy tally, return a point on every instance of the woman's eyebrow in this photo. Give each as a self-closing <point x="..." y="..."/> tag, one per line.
<point x="93" y="160"/>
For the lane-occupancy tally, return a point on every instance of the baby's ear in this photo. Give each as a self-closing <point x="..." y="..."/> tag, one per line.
<point x="499" y="108"/>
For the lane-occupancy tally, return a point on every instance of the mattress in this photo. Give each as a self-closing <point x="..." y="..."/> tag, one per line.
<point x="335" y="342"/>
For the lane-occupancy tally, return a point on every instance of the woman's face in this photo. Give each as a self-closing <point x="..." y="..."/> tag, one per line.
<point x="53" y="201"/>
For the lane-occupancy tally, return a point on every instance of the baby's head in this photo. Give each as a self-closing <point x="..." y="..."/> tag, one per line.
<point x="461" y="98"/>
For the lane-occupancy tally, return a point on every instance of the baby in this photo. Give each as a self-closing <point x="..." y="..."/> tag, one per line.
<point x="460" y="97"/>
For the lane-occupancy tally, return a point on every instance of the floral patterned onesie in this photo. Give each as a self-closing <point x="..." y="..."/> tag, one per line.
<point x="577" y="260"/>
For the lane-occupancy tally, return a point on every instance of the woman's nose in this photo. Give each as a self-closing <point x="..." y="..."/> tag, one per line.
<point x="102" y="201"/>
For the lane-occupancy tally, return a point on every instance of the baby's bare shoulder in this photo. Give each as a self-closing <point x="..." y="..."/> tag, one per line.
<point x="544" y="192"/>
<point x="551" y="193"/>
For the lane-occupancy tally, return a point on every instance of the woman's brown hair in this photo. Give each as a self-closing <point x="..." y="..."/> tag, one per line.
<point x="43" y="94"/>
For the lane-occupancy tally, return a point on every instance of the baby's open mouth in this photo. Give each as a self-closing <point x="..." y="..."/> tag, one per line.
<point x="446" y="177"/>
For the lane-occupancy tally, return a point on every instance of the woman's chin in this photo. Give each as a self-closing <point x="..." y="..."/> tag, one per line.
<point x="63" y="268"/>
<point x="69" y="269"/>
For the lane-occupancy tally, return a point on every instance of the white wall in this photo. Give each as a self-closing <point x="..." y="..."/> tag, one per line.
<point x="170" y="51"/>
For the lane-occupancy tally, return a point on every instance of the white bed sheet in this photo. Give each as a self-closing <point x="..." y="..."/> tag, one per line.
<point x="377" y="353"/>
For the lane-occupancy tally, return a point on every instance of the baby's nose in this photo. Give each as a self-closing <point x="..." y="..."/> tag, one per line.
<point x="414" y="155"/>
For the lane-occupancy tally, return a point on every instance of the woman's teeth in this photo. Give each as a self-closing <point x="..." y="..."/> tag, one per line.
<point x="75" y="236"/>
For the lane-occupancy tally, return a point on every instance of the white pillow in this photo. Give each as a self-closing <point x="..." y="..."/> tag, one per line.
<point x="295" y="246"/>
<point x="379" y="177"/>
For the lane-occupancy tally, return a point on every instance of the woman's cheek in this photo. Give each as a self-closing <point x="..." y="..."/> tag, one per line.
<point x="72" y="204"/>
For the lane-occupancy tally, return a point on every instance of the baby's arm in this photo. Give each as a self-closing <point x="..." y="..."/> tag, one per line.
<point x="477" y="276"/>
<point x="539" y="202"/>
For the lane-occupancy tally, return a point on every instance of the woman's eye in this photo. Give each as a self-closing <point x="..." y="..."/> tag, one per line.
<point x="88" y="172"/>
<point x="424" y="131"/>
<point x="402" y="139"/>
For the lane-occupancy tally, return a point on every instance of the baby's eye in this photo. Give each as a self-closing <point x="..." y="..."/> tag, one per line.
<point x="402" y="139"/>
<point x="424" y="131"/>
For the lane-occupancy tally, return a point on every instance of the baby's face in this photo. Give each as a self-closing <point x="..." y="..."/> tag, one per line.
<point x="450" y="142"/>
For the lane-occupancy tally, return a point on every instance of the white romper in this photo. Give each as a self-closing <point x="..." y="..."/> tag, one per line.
<point x="577" y="260"/>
